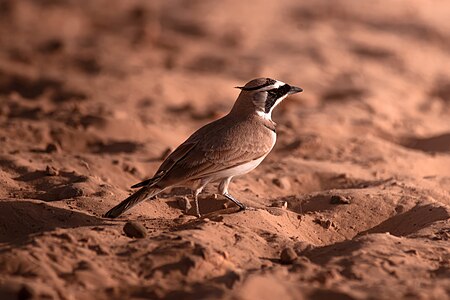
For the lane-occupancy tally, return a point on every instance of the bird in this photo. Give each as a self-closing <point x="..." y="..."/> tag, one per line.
<point x="227" y="147"/>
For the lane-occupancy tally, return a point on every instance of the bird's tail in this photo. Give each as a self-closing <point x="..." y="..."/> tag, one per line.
<point x="141" y="195"/>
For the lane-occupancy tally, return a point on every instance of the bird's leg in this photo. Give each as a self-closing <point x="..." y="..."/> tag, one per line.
<point x="195" y="194"/>
<point x="198" y="188"/>
<point x="223" y="190"/>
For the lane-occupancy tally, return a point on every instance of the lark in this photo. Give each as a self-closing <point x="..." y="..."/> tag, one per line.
<point x="221" y="150"/>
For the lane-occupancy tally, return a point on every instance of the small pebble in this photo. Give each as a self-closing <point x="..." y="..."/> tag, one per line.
<point x="51" y="148"/>
<point x="51" y="171"/>
<point x="288" y="256"/>
<point x="338" y="199"/>
<point x="135" y="230"/>
<point x="324" y="223"/>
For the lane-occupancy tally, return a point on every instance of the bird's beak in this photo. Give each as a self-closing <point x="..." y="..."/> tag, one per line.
<point x="295" y="90"/>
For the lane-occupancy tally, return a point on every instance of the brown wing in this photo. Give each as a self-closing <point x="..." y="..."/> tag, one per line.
<point x="212" y="148"/>
<point x="202" y="161"/>
<point x="219" y="146"/>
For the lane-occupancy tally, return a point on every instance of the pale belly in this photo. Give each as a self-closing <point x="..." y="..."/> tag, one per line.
<point x="238" y="170"/>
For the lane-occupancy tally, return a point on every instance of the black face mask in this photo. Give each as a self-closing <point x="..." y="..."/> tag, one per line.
<point x="274" y="95"/>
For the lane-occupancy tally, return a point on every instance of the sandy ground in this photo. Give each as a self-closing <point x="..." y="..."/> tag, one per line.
<point x="94" y="95"/>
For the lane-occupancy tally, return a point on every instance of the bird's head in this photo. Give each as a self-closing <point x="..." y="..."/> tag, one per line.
<point x="262" y="95"/>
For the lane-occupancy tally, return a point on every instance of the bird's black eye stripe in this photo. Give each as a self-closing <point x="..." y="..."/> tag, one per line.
<point x="274" y="94"/>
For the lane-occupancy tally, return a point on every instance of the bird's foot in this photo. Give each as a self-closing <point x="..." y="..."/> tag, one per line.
<point x="242" y="207"/>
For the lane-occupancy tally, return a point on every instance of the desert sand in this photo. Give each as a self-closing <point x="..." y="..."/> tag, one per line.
<point x="356" y="192"/>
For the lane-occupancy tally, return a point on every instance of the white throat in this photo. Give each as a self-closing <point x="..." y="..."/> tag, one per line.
<point x="268" y="115"/>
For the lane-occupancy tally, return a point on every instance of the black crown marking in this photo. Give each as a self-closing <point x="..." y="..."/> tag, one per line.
<point x="268" y="82"/>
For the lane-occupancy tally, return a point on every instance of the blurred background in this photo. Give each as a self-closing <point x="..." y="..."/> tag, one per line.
<point x="190" y="54"/>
